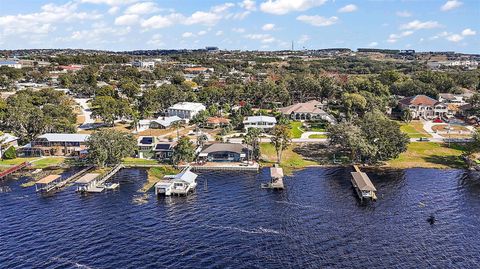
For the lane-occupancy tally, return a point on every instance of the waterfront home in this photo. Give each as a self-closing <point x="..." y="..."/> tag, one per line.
<point x="12" y="64"/>
<point x="216" y="122"/>
<point x="224" y="152"/>
<point x="185" y="110"/>
<point x="87" y="182"/>
<point x="261" y="122"/>
<point x="311" y="110"/>
<point x="57" y="144"/>
<point x="450" y="98"/>
<point x="423" y="106"/>
<point x="164" y="150"/>
<point x="145" y="145"/>
<point x="180" y="184"/>
<point x="47" y="183"/>
<point x="144" y="64"/>
<point x="7" y="140"/>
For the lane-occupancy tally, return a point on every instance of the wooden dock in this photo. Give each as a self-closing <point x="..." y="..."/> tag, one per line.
<point x="212" y="166"/>
<point x="54" y="182"/>
<point x="276" y="179"/>
<point x="363" y="185"/>
<point x="14" y="169"/>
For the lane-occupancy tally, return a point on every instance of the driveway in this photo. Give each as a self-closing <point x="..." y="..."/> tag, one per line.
<point x="87" y="113"/>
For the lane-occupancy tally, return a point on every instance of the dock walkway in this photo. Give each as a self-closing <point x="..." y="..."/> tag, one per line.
<point x="363" y="185"/>
<point x="14" y="169"/>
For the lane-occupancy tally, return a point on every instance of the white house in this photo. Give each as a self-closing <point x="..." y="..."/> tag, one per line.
<point x="262" y="122"/>
<point x="144" y="65"/>
<point x="13" y="64"/>
<point x="185" y="110"/>
<point x="159" y="123"/>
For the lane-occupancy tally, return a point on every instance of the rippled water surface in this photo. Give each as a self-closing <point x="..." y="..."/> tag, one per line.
<point x="316" y="222"/>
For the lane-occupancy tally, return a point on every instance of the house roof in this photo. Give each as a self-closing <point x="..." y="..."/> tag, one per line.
<point x="54" y="137"/>
<point x="161" y="146"/>
<point x="260" y="119"/>
<point x="186" y="176"/>
<point x="188" y="106"/>
<point x="8" y="138"/>
<point x="230" y="147"/>
<point x="146" y="140"/>
<point x="87" y="178"/>
<point x="48" y="179"/>
<point x="8" y="62"/>
<point x="217" y="120"/>
<point x="363" y="182"/>
<point x="167" y="121"/>
<point x="311" y="107"/>
<point x="418" y="100"/>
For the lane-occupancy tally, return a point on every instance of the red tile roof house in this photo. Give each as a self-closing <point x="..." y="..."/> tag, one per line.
<point x="307" y="111"/>
<point x="423" y="106"/>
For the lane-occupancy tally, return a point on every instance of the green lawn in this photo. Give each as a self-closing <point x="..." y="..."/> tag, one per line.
<point x="138" y="161"/>
<point x="296" y="129"/>
<point x="36" y="161"/>
<point x="155" y="174"/>
<point x="16" y="161"/>
<point x="414" y="129"/>
<point x="429" y="155"/>
<point x="290" y="159"/>
<point x="317" y="136"/>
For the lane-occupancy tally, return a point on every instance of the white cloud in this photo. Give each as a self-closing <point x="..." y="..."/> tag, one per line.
<point x="203" y="32"/>
<point x="449" y="5"/>
<point x="219" y="33"/>
<point x="238" y="30"/>
<point x="99" y="33"/>
<point x="373" y="44"/>
<point x="454" y="37"/>
<point x="239" y="15"/>
<point x="468" y="31"/>
<point x="201" y="17"/>
<point x="404" y="14"/>
<point x="142" y="8"/>
<point x="248" y="5"/>
<point x="159" y="21"/>
<point x="110" y="2"/>
<point x="264" y="38"/>
<point x="417" y="25"/>
<point x="44" y="21"/>
<point x="303" y="39"/>
<point x="156" y="41"/>
<point x="188" y="34"/>
<point x="127" y="20"/>
<point x="113" y="10"/>
<point x="392" y="38"/>
<point x="268" y="27"/>
<point x="280" y="7"/>
<point x="348" y="8"/>
<point x="317" y="20"/>
<point x="222" y="8"/>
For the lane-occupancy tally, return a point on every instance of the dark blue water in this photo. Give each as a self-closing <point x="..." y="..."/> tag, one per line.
<point x="317" y="222"/>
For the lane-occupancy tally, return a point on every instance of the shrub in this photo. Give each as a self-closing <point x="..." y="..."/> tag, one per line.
<point x="10" y="153"/>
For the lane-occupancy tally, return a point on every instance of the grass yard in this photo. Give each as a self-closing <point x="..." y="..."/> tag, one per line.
<point x="155" y="174"/>
<point x="429" y="155"/>
<point x="137" y="161"/>
<point x="317" y="136"/>
<point x="37" y="162"/>
<point x="290" y="159"/>
<point x="414" y="129"/>
<point x="296" y="131"/>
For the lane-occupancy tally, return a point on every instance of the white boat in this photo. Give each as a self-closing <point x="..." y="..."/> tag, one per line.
<point x="111" y="186"/>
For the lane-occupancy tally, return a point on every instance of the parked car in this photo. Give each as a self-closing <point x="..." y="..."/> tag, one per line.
<point x="423" y="139"/>
<point x="438" y="120"/>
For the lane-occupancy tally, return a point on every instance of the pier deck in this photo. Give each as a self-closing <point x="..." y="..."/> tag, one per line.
<point x="363" y="185"/>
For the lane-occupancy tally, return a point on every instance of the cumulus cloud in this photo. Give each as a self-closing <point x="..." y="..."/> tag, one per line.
<point x="303" y="39"/>
<point x="238" y="30"/>
<point x="129" y="19"/>
<point x="160" y="21"/>
<point x="156" y="41"/>
<point x="373" y="44"/>
<point x="44" y="21"/>
<point x="449" y="5"/>
<point x="248" y="5"/>
<point x="263" y="38"/>
<point x="454" y="37"/>
<point x="188" y="34"/>
<point x="404" y="14"/>
<point x="281" y="7"/>
<point x="392" y="38"/>
<point x="142" y="8"/>
<point x="110" y="2"/>
<point x="468" y="31"/>
<point x="348" y="8"/>
<point x="417" y="25"/>
<point x="219" y="33"/>
<point x="268" y="27"/>
<point x="317" y="20"/>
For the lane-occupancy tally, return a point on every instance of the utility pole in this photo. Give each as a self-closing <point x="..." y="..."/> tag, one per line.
<point x="293" y="48"/>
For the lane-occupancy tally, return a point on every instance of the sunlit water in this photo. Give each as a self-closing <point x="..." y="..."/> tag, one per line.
<point x="316" y="222"/>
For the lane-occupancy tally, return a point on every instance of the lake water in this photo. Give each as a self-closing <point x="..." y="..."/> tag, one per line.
<point x="316" y="222"/>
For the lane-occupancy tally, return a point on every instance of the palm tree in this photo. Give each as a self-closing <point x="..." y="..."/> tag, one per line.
<point x="280" y="139"/>
<point x="252" y="138"/>
<point x="177" y="125"/>
<point x="407" y="115"/>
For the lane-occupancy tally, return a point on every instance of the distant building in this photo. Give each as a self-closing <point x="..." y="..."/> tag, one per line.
<point x="198" y="70"/>
<point x="12" y="64"/>
<point x="423" y="106"/>
<point x="57" y="144"/>
<point x="311" y="110"/>
<point x="164" y="150"/>
<point x="216" y="122"/>
<point x="185" y="110"/>
<point x="144" y="64"/>
<point x="71" y="67"/>
<point x="159" y="123"/>
<point x="262" y="122"/>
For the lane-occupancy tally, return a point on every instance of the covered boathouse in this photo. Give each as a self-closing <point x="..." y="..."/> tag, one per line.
<point x="363" y="185"/>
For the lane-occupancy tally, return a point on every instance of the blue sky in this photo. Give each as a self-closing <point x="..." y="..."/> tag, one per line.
<point x="423" y="25"/>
